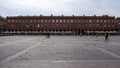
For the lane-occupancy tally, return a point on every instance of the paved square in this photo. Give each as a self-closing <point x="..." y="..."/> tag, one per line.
<point x="59" y="52"/>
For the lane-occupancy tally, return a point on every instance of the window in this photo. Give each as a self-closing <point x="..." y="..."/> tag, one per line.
<point x="8" y="20"/>
<point x="108" y="26"/>
<point x="34" y="20"/>
<point x="64" y="21"/>
<point x="86" y="25"/>
<point x="75" y="21"/>
<point x="52" y="26"/>
<point x="104" y="25"/>
<point x="60" y="26"/>
<point x="19" y="21"/>
<point x="83" y="21"/>
<point x="90" y="25"/>
<point x="64" y="26"/>
<point x="97" y="21"/>
<point x="105" y="21"/>
<point x="97" y="25"/>
<point x="108" y="21"/>
<point x="112" y="20"/>
<point x="22" y="21"/>
<point x="71" y="21"/>
<point x="56" y="25"/>
<point x="68" y="21"/>
<point x="27" y="26"/>
<point x="46" y="20"/>
<point x="30" y="21"/>
<point x="60" y="21"/>
<point x="49" y="20"/>
<point x="42" y="21"/>
<point x="27" y="21"/>
<point x="53" y="21"/>
<point x="56" y="21"/>
<point x="15" y="20"/>
<point x="79" y="21"/>
<point x="38" y="25"/>
<point x="90" y="21"/>
<point x="38" y="21"/>
<point x="101" y="21"/>
<point x="12" y="20"/>
<point x="112" y="26"/>
<point x="11" y="26"/>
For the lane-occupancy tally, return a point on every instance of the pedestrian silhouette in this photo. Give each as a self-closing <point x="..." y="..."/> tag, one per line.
<point x="48" y="35"/>
<point x="106" y="37"/>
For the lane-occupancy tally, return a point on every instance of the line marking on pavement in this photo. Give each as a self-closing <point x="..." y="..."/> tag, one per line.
<point x="105" y="51"/>
<point x="60" y="61"/>
<point x="64" y="61"/>
<point x="20" y="53"/>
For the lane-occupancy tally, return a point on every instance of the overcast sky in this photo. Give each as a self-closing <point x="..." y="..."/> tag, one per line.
<point x="59" y="7"/>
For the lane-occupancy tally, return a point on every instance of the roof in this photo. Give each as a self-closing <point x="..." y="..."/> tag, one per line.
<point x="2" y="18"/>
<point x="41" y="16"/>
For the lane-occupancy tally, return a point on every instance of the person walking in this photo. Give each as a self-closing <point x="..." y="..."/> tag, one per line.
<point x="106" y="37"/>
<point x="48" y="35"/>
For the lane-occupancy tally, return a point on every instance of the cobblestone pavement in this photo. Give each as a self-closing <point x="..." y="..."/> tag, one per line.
<point x="59" y="52"/>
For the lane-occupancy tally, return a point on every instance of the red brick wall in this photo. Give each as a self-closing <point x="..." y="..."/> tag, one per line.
<point x="46" y="23"/>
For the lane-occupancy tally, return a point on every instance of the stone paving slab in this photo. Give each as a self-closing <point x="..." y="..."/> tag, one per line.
<point x="59" y="52"/>
<point x="63" y="64"/>
<point x="67" y="53"/>
<point x="111" y="48"/>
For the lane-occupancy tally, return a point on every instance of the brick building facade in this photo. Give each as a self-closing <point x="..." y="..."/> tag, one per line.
<point x="73" y="24"/>
<point x="62" y="24"/>
<point x="2" y="24"/>
<point x="118" y="19"/>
